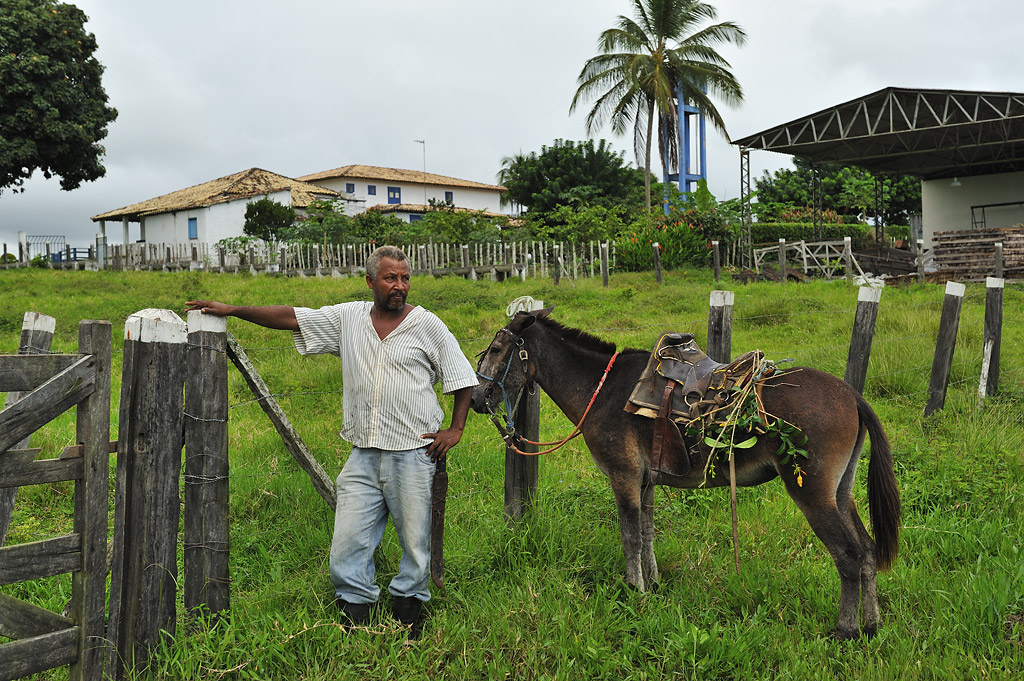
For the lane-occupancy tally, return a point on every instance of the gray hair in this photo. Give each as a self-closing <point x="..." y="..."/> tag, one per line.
<point x="373" y="262"/>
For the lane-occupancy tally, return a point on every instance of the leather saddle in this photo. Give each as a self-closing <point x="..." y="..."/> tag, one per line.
<point x="682" y="385"/>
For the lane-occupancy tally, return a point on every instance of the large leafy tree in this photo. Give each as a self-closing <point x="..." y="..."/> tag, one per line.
<point x="568" y="173"/>
<point x="846" y="190"/>
<point x="53" y="109"/>
<point x="645" y="61"/>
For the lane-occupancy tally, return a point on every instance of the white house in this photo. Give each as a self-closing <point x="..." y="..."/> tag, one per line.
<point x="211" y="211"/>
<point x="406" y="193"/>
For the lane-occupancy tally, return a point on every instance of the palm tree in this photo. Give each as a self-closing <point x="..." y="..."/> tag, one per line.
<point x="645" y="61"/>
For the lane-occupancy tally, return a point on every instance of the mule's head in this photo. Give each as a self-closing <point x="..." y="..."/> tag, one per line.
<point x="505" y="367"/>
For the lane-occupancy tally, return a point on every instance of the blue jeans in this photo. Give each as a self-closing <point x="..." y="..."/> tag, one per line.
<point x="373" y="484"/>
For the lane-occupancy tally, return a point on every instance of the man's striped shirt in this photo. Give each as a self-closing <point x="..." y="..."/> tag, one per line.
<point x="388" y="398"/>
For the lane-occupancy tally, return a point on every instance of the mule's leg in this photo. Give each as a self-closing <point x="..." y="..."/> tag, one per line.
<point x="868" y="575"/>
<point x="647" y="559"/>
<point x="845" y="548"/>
<point x="868" y="567"/>
<point x="627" y="498"/>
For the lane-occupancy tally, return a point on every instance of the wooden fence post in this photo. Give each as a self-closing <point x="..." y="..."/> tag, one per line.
<point x="782" y="260"/>
<point x="604" y="264"/>
<point x="920" y="260"/>
<point x="144" y="572"/>
<point x="717" y="255"/>
<point x="997" y="270"/>
<point x="558" y="263"/>
<point x="863" y="333"/>
<point x="720" y="326"/>
<point x="848" y="258"/>
<point x="993" y="336"/>
<point x="656" y="253"/>
<point x="36" y="336"/>
<point x="945" y="344"/>
<point x="92" y="428"/>
<point x="207" y="581"/>
<point x="522" y="471"/>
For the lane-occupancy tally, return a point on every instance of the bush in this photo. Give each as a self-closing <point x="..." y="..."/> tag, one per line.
<point x="682" y="244"/>
<point x="763" y="233"/>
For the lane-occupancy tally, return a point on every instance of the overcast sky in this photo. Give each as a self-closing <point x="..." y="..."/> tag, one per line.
<point x="205" y="88"/>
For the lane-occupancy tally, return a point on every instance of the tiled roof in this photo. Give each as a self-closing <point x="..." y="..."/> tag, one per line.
<point x="396" y="175"/>
<point x="242" y="185"/>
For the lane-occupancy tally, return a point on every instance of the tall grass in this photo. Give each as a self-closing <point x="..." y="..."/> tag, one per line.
<point x="545" y="599"/>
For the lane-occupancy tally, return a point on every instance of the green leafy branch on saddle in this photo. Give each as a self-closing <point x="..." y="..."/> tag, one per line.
<point x="746" y="418"/>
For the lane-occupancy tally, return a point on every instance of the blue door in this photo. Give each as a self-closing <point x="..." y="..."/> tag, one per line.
<point x="394" y="194"/>
<point x="193" y="228"/>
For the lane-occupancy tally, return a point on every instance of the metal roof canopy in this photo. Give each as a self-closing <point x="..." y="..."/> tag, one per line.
<point x="930" y="134"/>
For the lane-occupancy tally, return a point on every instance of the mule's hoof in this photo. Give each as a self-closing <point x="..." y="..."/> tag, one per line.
<point x="845" y="634"/>
<point x="870" y="631"/>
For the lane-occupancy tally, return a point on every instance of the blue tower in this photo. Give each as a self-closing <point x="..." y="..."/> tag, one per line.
<point x="693" y="162"/>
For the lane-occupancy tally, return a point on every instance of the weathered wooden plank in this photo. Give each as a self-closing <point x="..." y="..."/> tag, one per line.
<point x="48" y="401"/>
<point x="36" y="338"/>
<point x="321" y="481"/>
<point x="863" y="334"/>
<point x="207" y="528"/>
<point x="945" y="345"/>
<point x="92" y="427"/>
<point x="20" y="471"/>
<point x="145" y="568"/>
<point x="43" y="558"/>
<point x="19" y="619"/>
<point x="720" y="326"/>
<point x="38" y="653"/>
<point x="22" y="373"/>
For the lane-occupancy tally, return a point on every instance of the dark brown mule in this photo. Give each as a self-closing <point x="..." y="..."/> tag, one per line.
<point x="568" y="363"/>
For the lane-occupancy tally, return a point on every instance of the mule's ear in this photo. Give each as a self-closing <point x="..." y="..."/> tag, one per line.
<point x="543" y="313"/>
<point x="521" y="320"/>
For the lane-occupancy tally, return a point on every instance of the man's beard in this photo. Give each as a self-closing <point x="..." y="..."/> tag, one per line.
<point x="395" y="302"/>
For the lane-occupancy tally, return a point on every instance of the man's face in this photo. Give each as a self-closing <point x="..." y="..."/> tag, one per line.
<point x="391" y="287"/>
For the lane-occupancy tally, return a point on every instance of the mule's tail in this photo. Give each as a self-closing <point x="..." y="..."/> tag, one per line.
<point x="883" y="495"/>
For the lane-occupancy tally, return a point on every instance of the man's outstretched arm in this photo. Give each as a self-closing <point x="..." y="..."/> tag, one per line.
<point x="270" y="316"/>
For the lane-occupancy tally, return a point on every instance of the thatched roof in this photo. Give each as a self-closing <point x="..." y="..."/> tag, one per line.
<point x="396" y="175"/>
<point x="424" y="208"/>
<point x="242" y="185"/>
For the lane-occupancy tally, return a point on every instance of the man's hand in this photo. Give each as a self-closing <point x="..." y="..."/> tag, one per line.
<point x="208" y="307"/>
<point x="270" y="316"/>
<point x="443" y="441"/>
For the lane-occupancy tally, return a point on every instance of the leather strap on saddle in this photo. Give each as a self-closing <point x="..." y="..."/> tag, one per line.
<point x="681" y="384"/>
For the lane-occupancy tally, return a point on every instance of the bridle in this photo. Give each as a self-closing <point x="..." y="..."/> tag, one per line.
<point x="508" y="431"/>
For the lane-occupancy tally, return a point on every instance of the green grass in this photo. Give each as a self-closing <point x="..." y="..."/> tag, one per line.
<point x="545" y="599"/>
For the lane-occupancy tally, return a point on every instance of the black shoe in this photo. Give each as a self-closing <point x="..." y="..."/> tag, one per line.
<point x="356" y="613"/>
<point x="409" y="611"/>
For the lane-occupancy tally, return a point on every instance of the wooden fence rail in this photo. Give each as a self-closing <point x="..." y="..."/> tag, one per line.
<point x="54" y="383"/>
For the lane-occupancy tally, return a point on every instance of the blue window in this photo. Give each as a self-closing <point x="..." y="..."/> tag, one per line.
<point x="371" y="189"/>
<point x="350" y="187"/>
<point x="193" y="228"/>
<point x="415" y="218"/>
<point x="449" y="197"/>
<point x="394" y="194"/>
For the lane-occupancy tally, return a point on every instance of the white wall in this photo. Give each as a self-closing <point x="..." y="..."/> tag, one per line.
<point x="216" y="222"/>
<point x="948" y="208"/>
<point x="463" y="197"/>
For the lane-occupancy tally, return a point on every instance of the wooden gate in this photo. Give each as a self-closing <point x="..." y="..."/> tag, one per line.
<point x="42" y="639"/>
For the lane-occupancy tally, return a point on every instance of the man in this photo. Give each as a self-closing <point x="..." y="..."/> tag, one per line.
<point x="392" y="355"/>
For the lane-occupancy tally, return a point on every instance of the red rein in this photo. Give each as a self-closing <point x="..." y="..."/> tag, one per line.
<point x="576" y="431"/>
